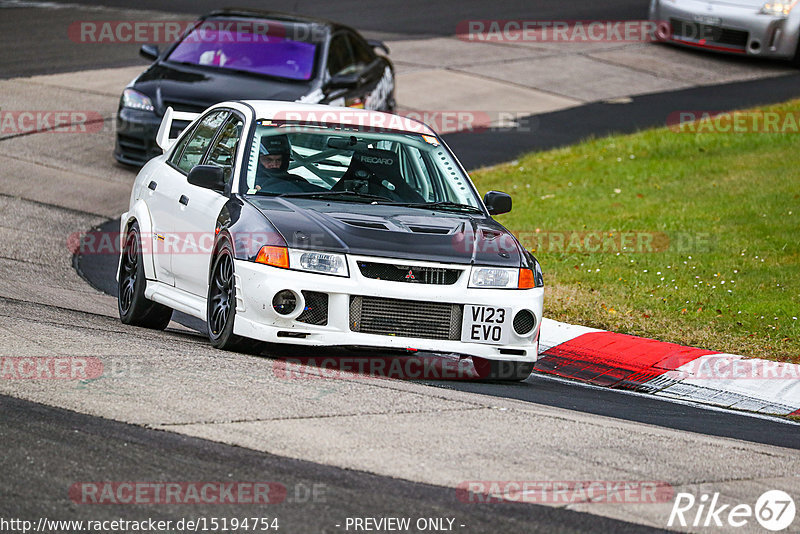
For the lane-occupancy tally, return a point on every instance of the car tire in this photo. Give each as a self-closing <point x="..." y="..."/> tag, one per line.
<point x="503" y="370"/>
<point x="134" y="308"/>
<point x="221" y="305"/>
<point x="795" y="61"/>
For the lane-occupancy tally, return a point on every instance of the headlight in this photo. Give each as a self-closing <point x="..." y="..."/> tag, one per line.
<point x="133" y="99"/>
<point x="494" y="277"/>
<point x="303" y="260"/>
<point x="318" y="262"/>
<point x="778" y="8"/>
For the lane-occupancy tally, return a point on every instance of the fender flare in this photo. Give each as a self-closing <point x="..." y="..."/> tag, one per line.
<point x="141" y="215"/>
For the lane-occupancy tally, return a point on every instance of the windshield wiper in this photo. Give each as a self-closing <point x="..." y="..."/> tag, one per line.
<point x="348" y="195"/>
<point x="442" y="205"/>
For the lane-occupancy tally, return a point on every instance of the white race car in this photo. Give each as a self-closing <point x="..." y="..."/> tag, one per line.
<point x="319" y="226"/>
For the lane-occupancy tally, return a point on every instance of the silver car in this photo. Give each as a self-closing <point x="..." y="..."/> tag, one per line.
<point x="748" y="27"/>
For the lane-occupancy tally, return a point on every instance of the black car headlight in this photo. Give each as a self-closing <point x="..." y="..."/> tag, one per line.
<point x="133" y="99"/>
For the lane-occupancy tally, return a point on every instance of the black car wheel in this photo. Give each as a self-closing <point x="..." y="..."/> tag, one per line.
<point x="221" y="307"/>
<point x="795" y="61"/>
<point x="134" y="308"/>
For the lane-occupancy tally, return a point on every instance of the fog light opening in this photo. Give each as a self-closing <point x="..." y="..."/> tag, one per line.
<point x="755" y="46"/>
<point x="524" y="322"/>
<point x="284" y="302"/>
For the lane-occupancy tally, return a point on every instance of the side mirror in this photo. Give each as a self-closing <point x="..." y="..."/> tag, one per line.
<point x="207" y="176"/>
<point x="343" y="81"/>
<point x="149" y="52"/>
<point x="374" y="43"/>
<point x="497" y="202"/>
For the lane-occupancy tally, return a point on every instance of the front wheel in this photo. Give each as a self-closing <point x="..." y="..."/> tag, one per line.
<point x="221" y="305"/>
<point x="134" y="308"/>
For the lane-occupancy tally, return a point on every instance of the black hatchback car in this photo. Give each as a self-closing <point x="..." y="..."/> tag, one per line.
<point x="234" y="54"/>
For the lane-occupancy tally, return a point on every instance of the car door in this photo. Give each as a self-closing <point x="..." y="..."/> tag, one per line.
<point x="162" y="190"/>
<point x="190" y="152"/>
<point x="199" y="208"/>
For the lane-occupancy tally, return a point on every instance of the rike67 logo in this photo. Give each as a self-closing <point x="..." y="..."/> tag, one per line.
<point x="774" y="510"/>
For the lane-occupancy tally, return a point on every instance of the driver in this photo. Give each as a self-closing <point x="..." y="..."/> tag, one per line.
<point x="273" y="163"/>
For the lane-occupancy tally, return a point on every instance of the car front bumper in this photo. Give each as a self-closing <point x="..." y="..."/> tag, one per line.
<point x="727" y="28"/>
<point x="409" y="312"/>
<point x="136" y="136"/>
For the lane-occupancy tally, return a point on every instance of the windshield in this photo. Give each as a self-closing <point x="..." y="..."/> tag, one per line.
<point x="329" y="163"/>
<point x="260" y="47"/>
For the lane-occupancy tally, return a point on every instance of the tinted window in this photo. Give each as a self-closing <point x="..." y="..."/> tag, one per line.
<point x="176" y="154"/>
<point x="257" y="46"/>
<point x="199" y="140"/>
<point x="223" y="153"/>
<point x="362" y="54"/>
<point x="340" y="58"/>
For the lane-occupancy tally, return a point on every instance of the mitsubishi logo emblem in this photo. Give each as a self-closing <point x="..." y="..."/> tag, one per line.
<point x="410" y="276"/>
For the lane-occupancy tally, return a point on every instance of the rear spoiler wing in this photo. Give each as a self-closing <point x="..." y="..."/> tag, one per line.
<point x="163" y="139"/>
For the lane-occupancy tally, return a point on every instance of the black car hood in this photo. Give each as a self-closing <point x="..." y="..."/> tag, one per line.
<point x="195" y="88"/>
<point x="391" y="231"/>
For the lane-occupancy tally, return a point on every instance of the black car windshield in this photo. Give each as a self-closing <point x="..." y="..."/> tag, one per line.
<point x="252" y="45"/>
<point x="375" y="167"/>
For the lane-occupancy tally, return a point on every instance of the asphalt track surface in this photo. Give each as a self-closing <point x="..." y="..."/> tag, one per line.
<point x="318" y="497"/>
<point x="50" y="448"/>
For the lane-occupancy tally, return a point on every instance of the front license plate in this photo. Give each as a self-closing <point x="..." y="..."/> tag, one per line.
<point x="485" y="324"/>
<point x="706" y="19"/>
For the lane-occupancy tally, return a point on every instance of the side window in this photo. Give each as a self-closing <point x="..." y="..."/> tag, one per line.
<point x="176" y="154"/>
<point x="362" y="54"/>
<point x="340" y="58"/>
<point x="199" y="140"/>
<point x="223" y="153"/>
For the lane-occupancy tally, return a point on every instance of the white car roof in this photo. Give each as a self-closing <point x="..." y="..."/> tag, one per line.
<point x="321" y="113"/>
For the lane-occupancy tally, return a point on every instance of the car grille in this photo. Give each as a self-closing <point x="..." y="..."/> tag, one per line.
<point x="694" y="31"/>
<point x="405" y="273"/>
<point x="406" y="318"/>
<point x="316" y="310"/>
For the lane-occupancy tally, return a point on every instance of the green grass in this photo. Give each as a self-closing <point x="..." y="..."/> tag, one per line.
<point x="721" y="212"/>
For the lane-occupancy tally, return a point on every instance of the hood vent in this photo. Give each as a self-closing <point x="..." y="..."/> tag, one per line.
<point x="366" y="224"/>
<point x="430" y="230"/>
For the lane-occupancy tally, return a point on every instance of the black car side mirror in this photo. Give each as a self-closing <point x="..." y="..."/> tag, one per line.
<point x="343" y="81"/>
<point x="207" y="176"/>
<point x="497" y="202"/>
<point x="374" y="43"/>
<point x="149" y="52"/>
